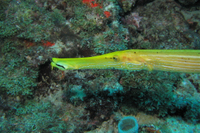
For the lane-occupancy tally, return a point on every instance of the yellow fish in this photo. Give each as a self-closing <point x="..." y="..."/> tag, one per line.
<point x="187" y="61"/>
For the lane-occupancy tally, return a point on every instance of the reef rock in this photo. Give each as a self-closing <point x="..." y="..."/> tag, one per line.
<point x="187" y="2"/>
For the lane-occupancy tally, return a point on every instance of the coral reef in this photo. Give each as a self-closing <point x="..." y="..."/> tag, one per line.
<point x="35" y="98"/>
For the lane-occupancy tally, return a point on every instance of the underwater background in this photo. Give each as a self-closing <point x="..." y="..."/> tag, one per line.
<point x="35" y="98"/>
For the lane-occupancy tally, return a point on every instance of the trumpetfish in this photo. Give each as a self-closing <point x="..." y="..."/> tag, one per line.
<point x="187" y="61"/>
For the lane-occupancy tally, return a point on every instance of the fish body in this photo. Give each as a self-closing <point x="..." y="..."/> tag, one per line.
<point x="187" y="61"/>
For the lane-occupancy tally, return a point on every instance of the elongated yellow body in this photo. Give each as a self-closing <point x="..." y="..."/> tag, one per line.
<point x="187" y="61"/>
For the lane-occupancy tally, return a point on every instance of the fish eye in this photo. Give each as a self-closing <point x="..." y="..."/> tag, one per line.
<point x="116" y="58"/>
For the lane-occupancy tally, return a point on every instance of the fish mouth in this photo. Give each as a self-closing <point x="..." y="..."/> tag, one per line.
<point x="54" y="64"/>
